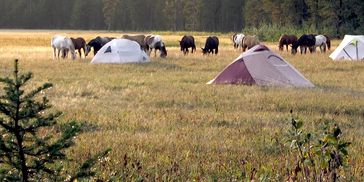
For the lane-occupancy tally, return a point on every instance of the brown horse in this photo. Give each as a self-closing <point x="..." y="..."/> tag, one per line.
<point x="79" y="44"/>
<point x="250" y="41"/>
<point x="140" y="39"/>
<point x="286" y="40"/>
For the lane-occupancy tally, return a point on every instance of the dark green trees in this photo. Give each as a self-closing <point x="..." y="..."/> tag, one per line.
<point x="331" y="17"/>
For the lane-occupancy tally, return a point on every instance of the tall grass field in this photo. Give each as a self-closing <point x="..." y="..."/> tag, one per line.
<point x="164" y="123"/>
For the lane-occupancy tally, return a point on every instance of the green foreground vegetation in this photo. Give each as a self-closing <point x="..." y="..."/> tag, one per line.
<point x="163" y="122"/>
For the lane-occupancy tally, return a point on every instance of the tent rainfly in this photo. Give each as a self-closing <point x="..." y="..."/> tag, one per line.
<point x="120" y="51"/>
<point x="351" y="48"/>
<point x="261" y="66"/>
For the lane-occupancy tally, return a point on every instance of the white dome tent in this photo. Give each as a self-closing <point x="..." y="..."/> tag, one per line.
<point x="119" y="51"/>
<point x="351" y="48"/>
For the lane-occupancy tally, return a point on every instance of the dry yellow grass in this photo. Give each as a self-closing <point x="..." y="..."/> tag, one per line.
<point x="163" y="115"/>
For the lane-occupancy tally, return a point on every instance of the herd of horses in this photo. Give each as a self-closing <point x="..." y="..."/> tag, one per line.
<point x="147" y="43"/>
<point x="63" y="45"/>
<point x="305" y="42"/>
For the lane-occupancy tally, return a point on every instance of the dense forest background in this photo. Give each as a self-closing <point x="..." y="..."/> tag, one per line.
<point x="335" y="17"/>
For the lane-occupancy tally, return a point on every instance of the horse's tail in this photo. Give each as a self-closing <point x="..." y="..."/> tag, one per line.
<point x="52" y="41"/>
<point x="328" y="43"/>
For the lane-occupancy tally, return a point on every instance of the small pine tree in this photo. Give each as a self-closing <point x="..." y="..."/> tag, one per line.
<point x="29" y="148"/>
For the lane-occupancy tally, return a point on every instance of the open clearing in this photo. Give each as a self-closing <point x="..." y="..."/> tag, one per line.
<point x="163" y="115"/>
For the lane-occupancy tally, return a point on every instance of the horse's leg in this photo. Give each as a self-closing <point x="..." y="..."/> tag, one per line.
<point x="54" y="53"/>
<point x="79" y="52"/>
<point x="216" y="50"/>
<point x="287" y="47"/>
<point x="59" y="51"/>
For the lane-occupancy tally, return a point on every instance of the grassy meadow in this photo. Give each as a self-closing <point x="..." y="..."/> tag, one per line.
<point x="170" y="125"/>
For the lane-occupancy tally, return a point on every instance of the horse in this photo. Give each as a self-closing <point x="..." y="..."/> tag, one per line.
<point x="97" y="43"/>
<point x="233" y="38"/>
<point x="328" y="42"/>
<point x="249" y="42"/>
<point x="303" y="42"/>
<point x="186" y="42"/>
<point x="238" y="40"/>
<point x="320" y="41"/>
<point x="155" y="42"/>
<point x="62" y="44"/>
<point x="211" y="45"/>
<point x="140" y="39"/>
<point x="79" y="44"/>
<point x="286" y="40"/>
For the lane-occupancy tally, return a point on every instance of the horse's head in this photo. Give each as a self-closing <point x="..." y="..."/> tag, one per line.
<point x="204" y="51"/>
<point x="73" y="54"/>
<point x="88" y="49"/>
<point x="163" y="51"/>
<point x="280" y="47"/>
<point x="294" y="50"/>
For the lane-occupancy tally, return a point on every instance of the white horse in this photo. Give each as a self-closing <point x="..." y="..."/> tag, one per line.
<point x="320" y="42"/>
<point x="238" y="40"/>
<point x="62" y="44"/>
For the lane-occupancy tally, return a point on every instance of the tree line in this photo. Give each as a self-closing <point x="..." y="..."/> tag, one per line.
<point x="336" y="17"/>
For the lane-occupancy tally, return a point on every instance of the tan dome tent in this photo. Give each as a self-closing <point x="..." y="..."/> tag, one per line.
<point x="120" y="51"/>
<point x="351" y="48"/>
<point x="261" y="66"/>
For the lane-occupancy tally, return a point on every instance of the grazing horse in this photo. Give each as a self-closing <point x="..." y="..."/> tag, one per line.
<point x="250" y="41"/>
<point x="303" y="42"/>
<point x="79" y="44"/>
<point x="155" y="42"/>
<point x="211" y="45"/>
<point x="186" y="42"/>
<point x="238" y="40"/>
<point x="320" y="41"/>
<point x="62" y="44"/>
<point x="97" y="43"/>
<point x="286" y="40"/>
<point x="140" y="39"/>
<point x="328" y="42"/>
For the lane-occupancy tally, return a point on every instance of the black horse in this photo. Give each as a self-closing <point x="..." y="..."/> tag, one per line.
<point x="212" y="43"/>
<point x="97" y="43"/>
<point x="304" y="42"/>
<point x="186" y="42"/>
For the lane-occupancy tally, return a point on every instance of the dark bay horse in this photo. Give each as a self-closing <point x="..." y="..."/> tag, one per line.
<point x="286" y="40"/>
<point x="304" y="42"/>
<point x="79" y="44"/>
<point x="97" y="43"/>
<point x="186" y="42"/>
<point x="211" y="45"/>
<point x="155" y="42"/>
<point x="140" y="39"/>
